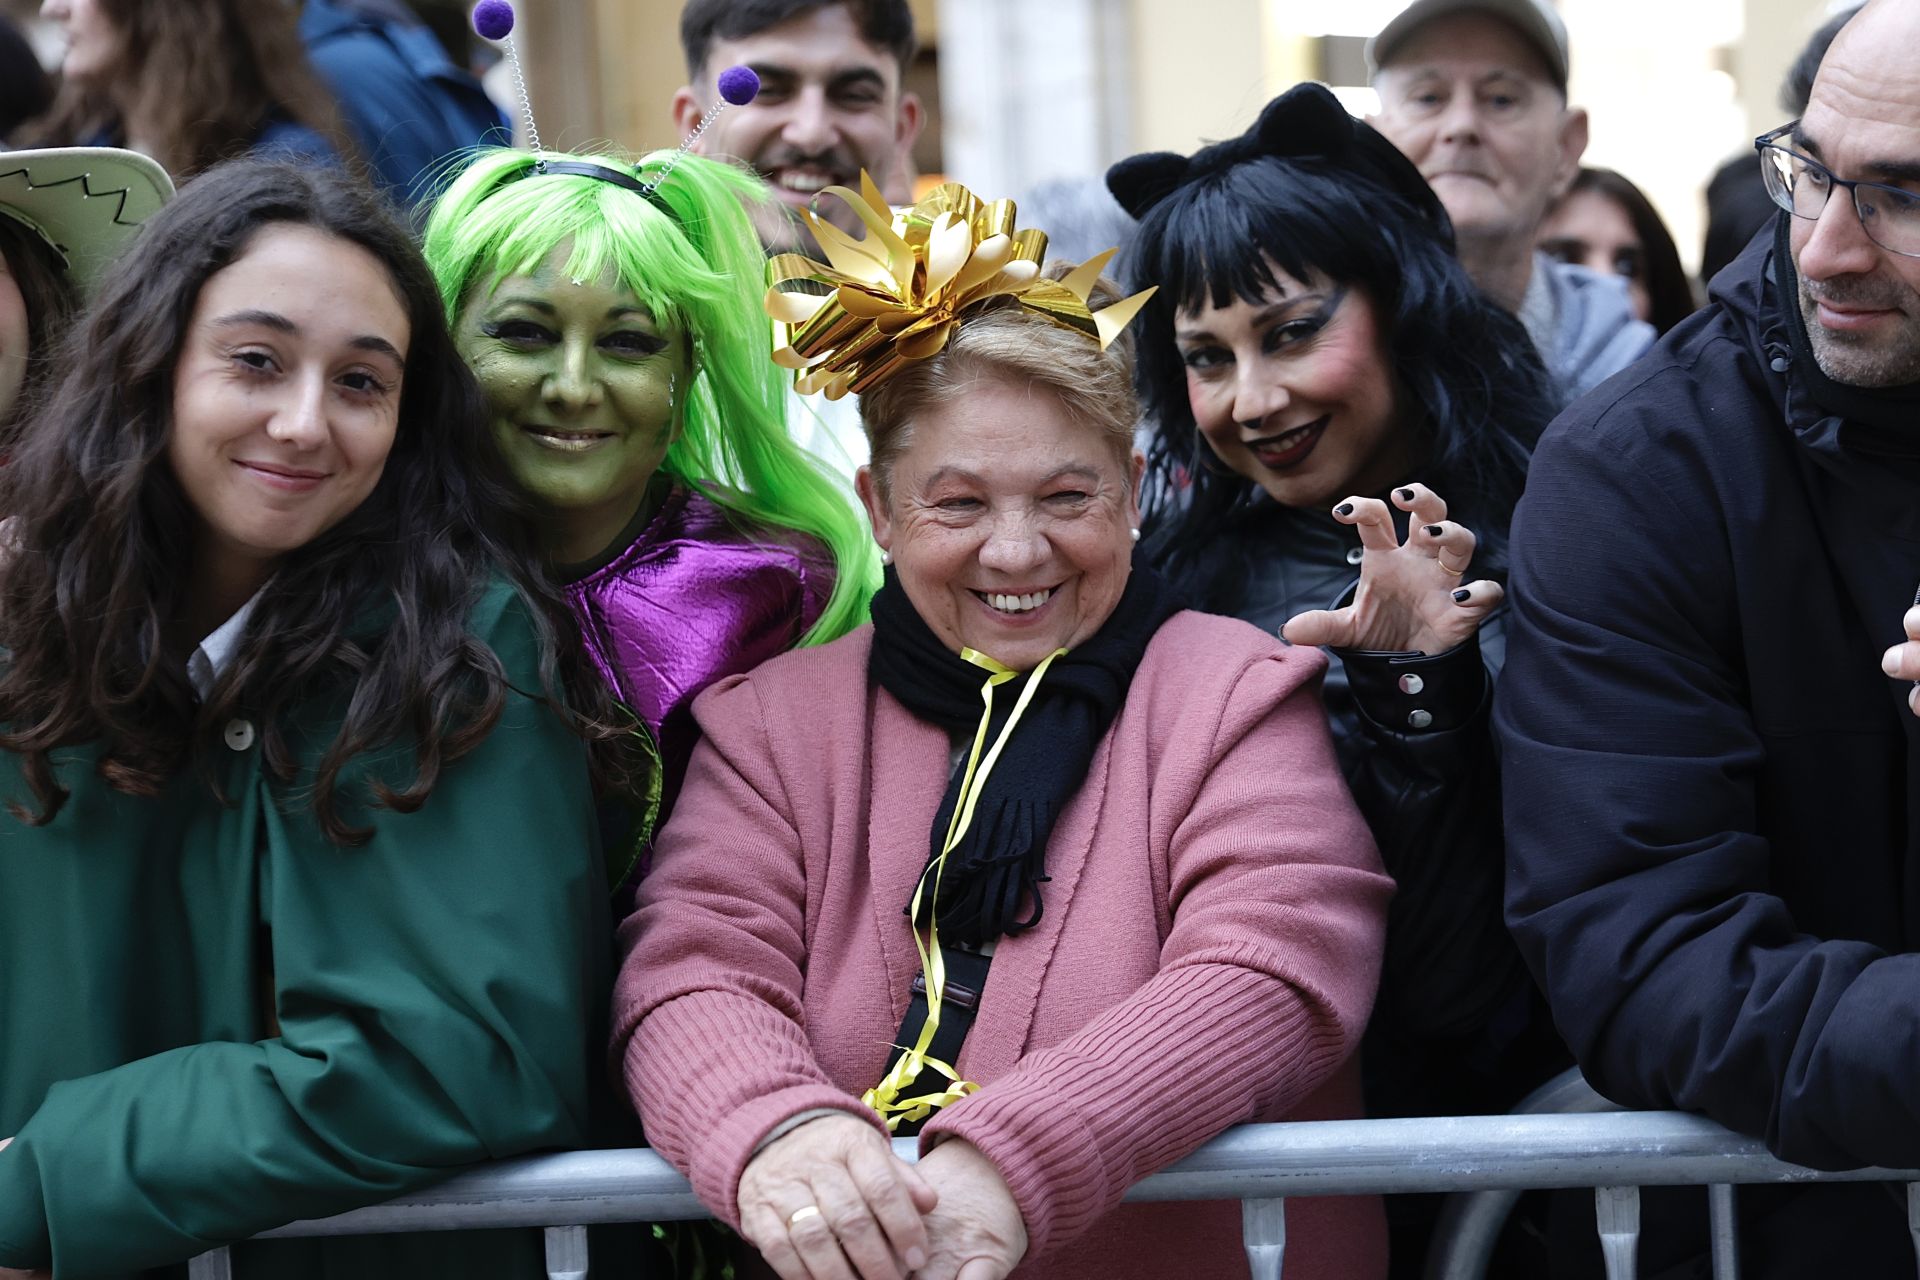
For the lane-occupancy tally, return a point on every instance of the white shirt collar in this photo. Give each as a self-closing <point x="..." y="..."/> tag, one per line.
<point x="215" y="653"/>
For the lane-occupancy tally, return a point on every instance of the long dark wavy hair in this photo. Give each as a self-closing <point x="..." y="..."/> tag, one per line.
<point x="374" y="612"/>
<point x="50" y="296"/>
<point x="202" y="77"/>
<point x="1469" y="385"/>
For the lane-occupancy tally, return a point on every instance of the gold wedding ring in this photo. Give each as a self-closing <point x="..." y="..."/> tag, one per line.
<point x="801" y="1214"/>
<point x="1441" y="561"/>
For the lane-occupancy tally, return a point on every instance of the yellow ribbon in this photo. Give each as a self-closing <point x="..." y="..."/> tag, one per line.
<point x="885" y="1097"/>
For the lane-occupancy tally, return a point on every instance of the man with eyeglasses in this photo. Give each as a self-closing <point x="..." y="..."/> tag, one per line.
<point x="1712" y="761"/>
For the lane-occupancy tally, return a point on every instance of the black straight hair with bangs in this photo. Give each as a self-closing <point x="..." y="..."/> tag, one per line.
<point x="1468" y="383"/>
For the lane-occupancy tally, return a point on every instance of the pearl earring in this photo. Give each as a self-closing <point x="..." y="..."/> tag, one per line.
<point x="886" y="557"/>
<point x="1135" y="533"/>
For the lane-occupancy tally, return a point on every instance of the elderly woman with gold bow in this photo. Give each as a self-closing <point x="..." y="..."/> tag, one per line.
<point x="1039" y="866"/>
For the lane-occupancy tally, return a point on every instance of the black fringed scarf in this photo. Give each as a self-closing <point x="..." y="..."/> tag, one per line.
<point x="1002" y="857"/>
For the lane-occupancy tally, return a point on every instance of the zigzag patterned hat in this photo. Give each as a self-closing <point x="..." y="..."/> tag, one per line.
<point x="85" y="202"/>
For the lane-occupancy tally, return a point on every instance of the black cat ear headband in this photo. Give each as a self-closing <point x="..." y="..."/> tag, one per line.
<point x="1305" y="123"/>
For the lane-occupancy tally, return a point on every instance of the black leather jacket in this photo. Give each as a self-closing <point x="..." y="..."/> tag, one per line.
<point x="1457" y="1028"/>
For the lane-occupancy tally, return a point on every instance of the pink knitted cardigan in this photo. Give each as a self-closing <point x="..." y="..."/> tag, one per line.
<point x="1208" y="953"/>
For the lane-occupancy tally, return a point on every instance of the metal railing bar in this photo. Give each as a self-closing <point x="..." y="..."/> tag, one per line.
<point x="1617" y="1212"/>
<point x="1470" y="1153"/>
<point x="1263" y="1227"/>
<point x="566" y="1253"/>
<point x="215" y="1264"/>
<point x="1301" y="1158"/>
<point x="1913" y="1215"/>
<point x="1724" y="1230"/>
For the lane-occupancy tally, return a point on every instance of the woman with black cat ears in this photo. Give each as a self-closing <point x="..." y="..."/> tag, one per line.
<point x="1340" y="427"/>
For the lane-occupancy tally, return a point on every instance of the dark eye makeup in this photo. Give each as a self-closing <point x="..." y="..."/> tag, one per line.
<point x="516" y="331"/>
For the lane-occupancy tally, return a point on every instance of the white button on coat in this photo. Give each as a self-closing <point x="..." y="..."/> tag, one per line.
<point x="239" y="734"/>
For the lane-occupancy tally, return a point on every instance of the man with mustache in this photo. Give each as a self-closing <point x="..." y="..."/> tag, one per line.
<point x="1712" y="761"/>
<point x="1475" y="93"/>
<point x="831" y="103"/>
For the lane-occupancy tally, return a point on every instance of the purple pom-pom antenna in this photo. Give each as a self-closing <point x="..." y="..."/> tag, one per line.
<point x="738" y="85"/>
<point x="493" y="19"/>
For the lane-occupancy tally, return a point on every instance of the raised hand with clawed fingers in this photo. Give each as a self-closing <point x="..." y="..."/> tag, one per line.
<point x="1413" y="595"/>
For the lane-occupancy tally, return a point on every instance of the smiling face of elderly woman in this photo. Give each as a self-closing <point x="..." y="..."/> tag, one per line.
<point x="1005" y="485"/>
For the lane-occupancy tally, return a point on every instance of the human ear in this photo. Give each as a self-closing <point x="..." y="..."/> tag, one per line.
<point x="911" y="119"/>
<point x="898" y="184"/>
<point x="686" y="114"/>
<point x="1573" y="145"/>
<point x="867" y="485"/>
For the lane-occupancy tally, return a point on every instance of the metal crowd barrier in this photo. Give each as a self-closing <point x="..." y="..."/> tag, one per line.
<point x="1260" y="1165"/>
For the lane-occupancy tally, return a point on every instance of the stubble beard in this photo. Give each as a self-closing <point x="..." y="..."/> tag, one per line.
<point x="1870" y="361"/>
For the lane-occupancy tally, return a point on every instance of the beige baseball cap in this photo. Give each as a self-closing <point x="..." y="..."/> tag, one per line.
<point x="1534" y="19"/>
<point x="85" y="202"/>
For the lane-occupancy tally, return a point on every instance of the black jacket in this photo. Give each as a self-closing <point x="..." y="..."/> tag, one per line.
<point x="1711" y="818"/>
<point x="1456" y="1029"/>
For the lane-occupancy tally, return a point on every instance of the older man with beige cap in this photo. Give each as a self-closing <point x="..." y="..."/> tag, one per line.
<point x="1475" y="93"/>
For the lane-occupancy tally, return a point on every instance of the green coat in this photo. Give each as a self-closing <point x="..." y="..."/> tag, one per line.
<point x="440" y="994"/>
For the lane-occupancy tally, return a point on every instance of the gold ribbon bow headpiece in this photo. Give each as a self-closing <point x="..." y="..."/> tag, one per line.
<point x="851" y="322"/>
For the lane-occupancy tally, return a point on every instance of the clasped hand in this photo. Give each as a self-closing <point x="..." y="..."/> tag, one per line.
<point x="1413" y="596"/>
<point x="830" y="1201"/>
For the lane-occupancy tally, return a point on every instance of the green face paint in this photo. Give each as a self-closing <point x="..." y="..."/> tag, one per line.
<point x="581" y="382"/>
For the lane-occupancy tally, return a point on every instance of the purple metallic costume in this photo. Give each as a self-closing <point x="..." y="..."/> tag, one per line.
<point x="692" y="600"/>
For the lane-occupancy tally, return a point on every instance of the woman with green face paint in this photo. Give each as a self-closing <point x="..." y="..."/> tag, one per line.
<point x="615" y="325"/>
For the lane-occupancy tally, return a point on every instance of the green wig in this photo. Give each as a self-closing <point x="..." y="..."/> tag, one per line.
<point x="698" y="267"/>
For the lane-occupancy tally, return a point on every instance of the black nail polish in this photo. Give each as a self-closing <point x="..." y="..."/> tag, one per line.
<point x="1405" y="495"/>
<point x="1434" y="530"/>
<point x="1462" y="596"/>
<point x="1344" y="509"/>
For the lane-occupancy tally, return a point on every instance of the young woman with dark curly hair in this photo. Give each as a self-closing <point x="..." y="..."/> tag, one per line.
<point x="301" y="905"/>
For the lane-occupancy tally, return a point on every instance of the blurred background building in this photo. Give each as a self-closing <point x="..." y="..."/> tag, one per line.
<point x="1022" y="92"/>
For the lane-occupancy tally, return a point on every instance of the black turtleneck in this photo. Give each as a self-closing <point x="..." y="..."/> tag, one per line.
<point x="1880" y="420"/>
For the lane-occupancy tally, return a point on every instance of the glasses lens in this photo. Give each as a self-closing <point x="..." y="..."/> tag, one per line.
<point x="1796" y="183"/>
<point x="1891" y="217"/>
